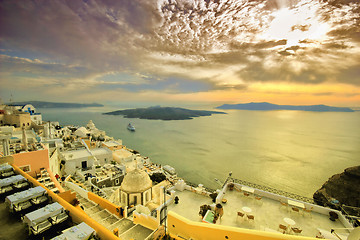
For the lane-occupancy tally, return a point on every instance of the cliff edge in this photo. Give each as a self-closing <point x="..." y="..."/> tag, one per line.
<point x="340" y="189"/>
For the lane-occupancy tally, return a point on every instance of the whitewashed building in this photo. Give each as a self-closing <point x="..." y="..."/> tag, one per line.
<point x="34" y="116"/>
<point x="83" y="159"/>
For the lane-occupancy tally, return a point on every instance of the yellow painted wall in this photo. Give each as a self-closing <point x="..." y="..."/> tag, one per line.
<point x="145" y="220"/>
<point x="182" y="228"/>
<point x="7" y="159"/>
<point x="68" y="196"/>
<point x="20" y="120"/>
<point x="75" y="213"/>
<point x="87" y="141"/>
<point x="111" y="207"/>
<point x="53" y="179"/>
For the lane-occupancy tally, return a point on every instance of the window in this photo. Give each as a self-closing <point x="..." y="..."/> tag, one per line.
<point x="25" y="168"/>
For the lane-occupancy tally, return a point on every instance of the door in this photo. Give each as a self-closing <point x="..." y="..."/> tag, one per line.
<point x="84" y="164"/>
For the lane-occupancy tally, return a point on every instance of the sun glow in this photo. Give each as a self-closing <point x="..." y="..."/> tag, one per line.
<point x="296" y="25"/>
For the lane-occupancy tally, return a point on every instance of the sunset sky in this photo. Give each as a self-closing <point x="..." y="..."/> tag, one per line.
<point x="177" y="51"/>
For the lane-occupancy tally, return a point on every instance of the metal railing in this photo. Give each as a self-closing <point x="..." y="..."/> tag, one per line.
<point x="260" y="187"/>
<point x="351" y="213"/>
<point x="196" y="185"/>
<point x="273" y="190"/>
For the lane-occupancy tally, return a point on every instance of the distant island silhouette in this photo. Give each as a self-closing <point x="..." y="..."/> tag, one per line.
<point x="42" y="104"/>
<point x="265" y="106"/>
<point x="163" y="113"/>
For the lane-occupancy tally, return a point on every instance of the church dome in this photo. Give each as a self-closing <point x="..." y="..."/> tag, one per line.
<point x="136" y="181"/>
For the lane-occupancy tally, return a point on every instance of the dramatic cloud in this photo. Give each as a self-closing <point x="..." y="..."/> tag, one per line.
<point x="177" y="47"/>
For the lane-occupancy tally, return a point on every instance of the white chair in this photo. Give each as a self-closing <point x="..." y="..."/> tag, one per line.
<point x="251" y="218"/>
<point x="258" y="200"/>
<point x="282" y="228"/>
<point x="307" y="211"/>
<point x="296" y="230"/>
<point x="283" y="205"/>
<point x="240" y="217"/>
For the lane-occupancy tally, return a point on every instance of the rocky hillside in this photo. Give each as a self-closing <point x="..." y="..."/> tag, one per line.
<point x="163" y="113"/>
<point x="344" y="187"/>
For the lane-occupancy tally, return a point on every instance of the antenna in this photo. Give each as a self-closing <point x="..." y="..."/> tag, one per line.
<point x="11" y="99"/>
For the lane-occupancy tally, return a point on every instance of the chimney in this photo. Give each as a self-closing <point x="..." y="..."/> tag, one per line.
<point x="24" y="139"/>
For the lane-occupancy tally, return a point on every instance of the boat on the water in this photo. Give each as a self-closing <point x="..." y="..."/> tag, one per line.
<point x="131" y="127"/>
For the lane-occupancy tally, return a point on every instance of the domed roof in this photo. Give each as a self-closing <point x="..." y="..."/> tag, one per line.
<point x="136" y="181"/>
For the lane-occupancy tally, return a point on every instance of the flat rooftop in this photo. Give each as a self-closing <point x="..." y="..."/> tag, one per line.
<point x="268" y="213"/>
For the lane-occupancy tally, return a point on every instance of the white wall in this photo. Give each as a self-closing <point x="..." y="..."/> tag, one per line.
<point x="36" y="119"/>
<point x="54" y="162"/>
<point x="79" y="190"/>
<point x="101" y="157"/>
<point x="72" y="165"/>
<point x="147" y="196"/>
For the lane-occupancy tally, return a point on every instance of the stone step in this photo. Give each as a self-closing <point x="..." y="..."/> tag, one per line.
<point x="107" y="222"/>
<point x="137" y="232"/>
<point x="123" y="225"/>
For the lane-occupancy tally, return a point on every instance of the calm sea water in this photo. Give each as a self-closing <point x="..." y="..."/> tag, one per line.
<point x="293" y="151"/>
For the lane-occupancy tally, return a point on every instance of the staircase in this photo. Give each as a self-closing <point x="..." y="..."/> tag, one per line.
<point x="126" y="228"/>
<point x="87" y="186"/>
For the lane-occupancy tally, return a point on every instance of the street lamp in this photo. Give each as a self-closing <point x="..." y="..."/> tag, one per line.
<point x="218" y="181"/>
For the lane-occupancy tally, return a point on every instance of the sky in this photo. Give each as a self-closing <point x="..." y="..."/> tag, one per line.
<point x="297" y="52"/>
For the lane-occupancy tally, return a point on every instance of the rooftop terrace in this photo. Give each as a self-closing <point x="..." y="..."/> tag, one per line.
<point x="268" y="212"/>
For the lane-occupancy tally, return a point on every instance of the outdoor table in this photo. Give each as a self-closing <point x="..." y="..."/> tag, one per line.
<point x="11" y="180"/>
<point x="24" y="196"/>
<point x="37" y="216"/>
<point x="81" y="231"/>
<point x="289" y="221"/>
<point x="247" y="189"/>
<point x="246" y="209"/>
<point x="296" y="204"/>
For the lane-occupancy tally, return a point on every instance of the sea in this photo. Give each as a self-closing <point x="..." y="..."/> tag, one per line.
<point x="293" y="151"/>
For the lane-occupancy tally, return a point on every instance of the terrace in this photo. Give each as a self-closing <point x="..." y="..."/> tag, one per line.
<point x="266" y="208"/>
